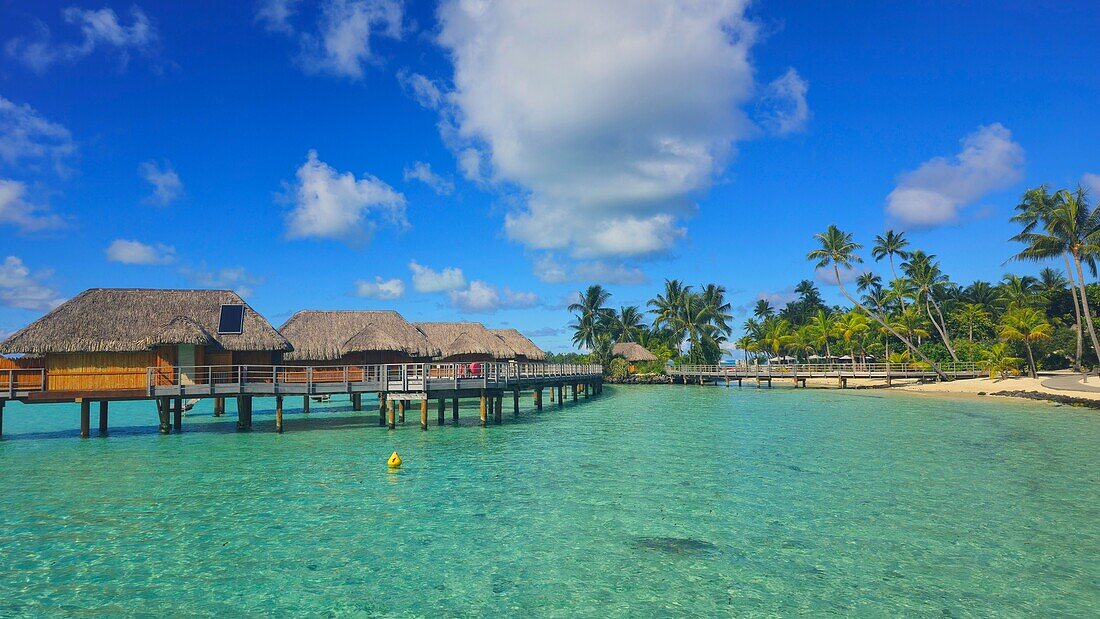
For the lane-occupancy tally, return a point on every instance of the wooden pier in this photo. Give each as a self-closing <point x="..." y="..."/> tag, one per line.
<point x="398" y="387"/>
<point x="797" y="373"/>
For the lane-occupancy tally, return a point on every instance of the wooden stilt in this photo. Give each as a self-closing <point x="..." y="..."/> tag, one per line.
<point x="244" y="414"/>
<point x="561" y="396"/>
<point x="551" y="395"/>
<point x="484" y="409"/>
<point x="454" y="410"/>
<point x="219" y="407"/>
<point x="538" y="398"/>
<point x="441" y="414"/>
<point x="279" y="414"/>
<point x="401" y="411"/>
<point x="2" y="418"/>
<point x="305" y="404"/>
<point x="498" y="409"/>
<point x="381" y="410"/>
<point x="424" y="413"/>
<point x="574" y="392"/>
<point x="391" y="416"/>
<point x="103" y="418"/>
<point x="85" y="418"/>
<point x="177" y="414"/>
<point x="585" y="387"/>
<point x="356" y="401"/>
<point x="515" y="402"/>
<point x="164" y="413"/>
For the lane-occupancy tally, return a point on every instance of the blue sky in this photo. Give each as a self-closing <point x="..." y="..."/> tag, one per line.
<point x="308" y="153"/>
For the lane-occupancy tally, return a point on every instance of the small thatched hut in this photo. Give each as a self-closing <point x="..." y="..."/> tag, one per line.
<point x="466" y="341"/>
<point x="526" y="350"/>
<point x="633" y="352"/>
<point x="354" y="337"/>
<point x="106" y="338"/>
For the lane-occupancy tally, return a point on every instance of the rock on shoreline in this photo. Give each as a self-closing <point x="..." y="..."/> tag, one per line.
<point x="641" y="379"/>
<point x="1050" y="397"/>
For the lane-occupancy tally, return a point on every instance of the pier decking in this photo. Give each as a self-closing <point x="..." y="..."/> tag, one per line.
<point x="797" y="373"/>
<point x="394" y="384"/>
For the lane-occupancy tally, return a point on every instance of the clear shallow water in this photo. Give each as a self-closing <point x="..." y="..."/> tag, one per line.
<point x="648" y="501"/>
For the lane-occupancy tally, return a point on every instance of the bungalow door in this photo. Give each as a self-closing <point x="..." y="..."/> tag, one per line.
<point x="185" y="361"/>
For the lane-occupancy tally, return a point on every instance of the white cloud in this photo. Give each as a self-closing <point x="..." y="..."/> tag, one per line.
<point x="426" y="280"/>
<point x="482" y="298"/>
<point x="1092" y="184"/>
<point x="550" y="270"/>
<point x="610" y="117"/>
<point x="237" y="279"/>
<point x="778" y="299"/>
<point x="341" y="42"/>
<point x="423" y="172"/>
<point x="136" y="252"/>
<point x="27" y="138"/>
<point x="380" y="288"/>
<point x="936" y="191"/>
<point x="426" y="92"/>
<point x="275" y="14"/>
<point x="783" y="109"/>
<point x="21" y="289"/>
<point x="167" y="185"/>
<point x="100" y="29"/>
<point x="825" y="275"/>
<point x="328" y="204"/>
<point x="469" y="162"/>
<point x="16" y="210"/>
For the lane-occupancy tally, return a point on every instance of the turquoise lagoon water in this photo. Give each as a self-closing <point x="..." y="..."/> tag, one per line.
<point x="648" y="501"/>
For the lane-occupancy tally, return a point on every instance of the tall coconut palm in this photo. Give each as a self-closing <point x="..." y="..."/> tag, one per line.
<point x="839" y="250"/>
<point x="763" y="309"/>
<point x="1026" y="325"/>
<point x="969" y="316"/>
<point x="668" y="305"/>
<point x="823" y="325"/>
<point x="776" y="337"/>
<point x="592" y="316"/>
<point x="715" y="296"/>
<point x="804" y="340"/>
<point x="889" y="245"/>
<point x="626" y="324"/>
<point x="1069" y="228"/>
<point x="1018" y="290"/>
<point x="923" y="270"/>
<point x="849" y="327"/>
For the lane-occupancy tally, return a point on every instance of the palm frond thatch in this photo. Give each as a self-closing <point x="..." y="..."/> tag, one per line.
<point x="632" y="352"/>
<point x="330" y="335"/>
<point x="520" y="343"/>
<point x="466" y="338"/>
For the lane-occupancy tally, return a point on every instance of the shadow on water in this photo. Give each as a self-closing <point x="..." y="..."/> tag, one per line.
<point x="675" y="545"/>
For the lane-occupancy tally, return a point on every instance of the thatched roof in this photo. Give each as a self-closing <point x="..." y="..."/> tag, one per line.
<point x="329" y="335"/>
<point x="633" y="352"/>
<point x="521" y="344"/>
<point x="466" y="338"/>
<point x="137" y="319"/>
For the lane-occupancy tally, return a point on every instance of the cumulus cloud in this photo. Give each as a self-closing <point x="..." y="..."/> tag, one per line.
<point x="99" y="29"/>
<point x="340" y="43"/>
<point x="935" y="192"/>
<point x="551" y="270"/>
<point x="1092" y="184"/>
<point x="424" y="90"/>
<point x="610" y="117"/>
<point x="422" y="172"/>
<point x="380" y="288"/>
<point x="17" y="211"/>
<point x="167" y="185"/>
<point x="427" y="280"/>
<point x="543" y="332"/>
<point x="21" y="289"/>
<point x="329" y="204"/>
<point x="26" y="138"/>
<point x="237" y="279"/>
<point x="469" y="162"/>
<point x="136" y="252"/>
<point x="825" y="275"/>
<point x="782" y="108"/>
<point x="482" y="298"/>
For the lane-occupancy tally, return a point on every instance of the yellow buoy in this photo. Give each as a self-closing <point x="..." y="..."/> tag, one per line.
<point x="394" y="461"/>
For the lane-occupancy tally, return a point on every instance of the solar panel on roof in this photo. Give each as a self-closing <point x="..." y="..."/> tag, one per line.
<point x="231" y="320"/>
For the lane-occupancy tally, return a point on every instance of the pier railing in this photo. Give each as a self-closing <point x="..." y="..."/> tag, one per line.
<point x="13" y="381"/>
<point x="396" y="377"/>
<point x="826" y="370"/>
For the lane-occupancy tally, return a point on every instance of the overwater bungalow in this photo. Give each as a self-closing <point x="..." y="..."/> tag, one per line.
<point x="633" y="353"/>
<point x="354" y="338"/>
<point x="466" y="342"/>
<point x="104" y="341"/>
<point x="526" y="350"/>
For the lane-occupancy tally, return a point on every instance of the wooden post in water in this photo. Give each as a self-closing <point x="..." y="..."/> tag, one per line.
<point x="391" y="416"/>
<point x="561" y="396"/>
<point x="454" y="409"/>
<point x="305" y="404"/>
<point x="441" y="414"/>
<point x="177" y="414"/>
<point x="356" y="401"/>
<point x="515" y="401"/>
<point x="574" y="392"/>
<point x="2" y="418"/>
<point x="401" y="411"/>
<point x="381" y="409"/>
<point x="85" y="418"/>
<point x="538" y="398"/>
<point x="484" y="409"/>
<point x="219" y="407"/>
<point x="499" y="410"/>
<point x="163" y="414"/>
<point x="551" y="394"/>
<point x="424" y="413"/>
<point x="244" y="417"/>
<point x="279" y="414"/>
<point x="585" y="388"/>
<point x="103" y="418"/>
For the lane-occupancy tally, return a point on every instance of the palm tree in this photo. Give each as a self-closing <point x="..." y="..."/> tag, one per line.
<point x="849" y="327"/>
<point x="592" y="316"/>
<point x="981" y="293"/>
<point x="1070" y="228"/>
<point x="715" y="296"/>
<point x="804" y="340"/>
<point x="668" y="305"/>
<point x="776" y="336"/>
<point x="838" y="249"/>
<point x="627" y="324"/>
<point x="763" y="310"/>
<point x="923" y="270"/>
<point x="969" y="316"/>
<point x="823" y="326"/>
<point x="1035" y="208"/>
<point x="1026" y="325"/>
<point x="889" y="245"/>
<point x="996" y="360"/>
<point x="1018" y="291"/>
